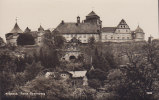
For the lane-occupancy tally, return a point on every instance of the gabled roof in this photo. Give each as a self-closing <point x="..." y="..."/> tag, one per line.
<point x="16" y="29"/>
<point x="77" y="74"/>
<point x="67" y="28"/>
<point x="108" y="29"/>
<point x="122" y="22"/>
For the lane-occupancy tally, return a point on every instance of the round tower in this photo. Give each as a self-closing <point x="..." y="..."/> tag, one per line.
<point x="139" y="34"/>
<point x="12" y="36"/>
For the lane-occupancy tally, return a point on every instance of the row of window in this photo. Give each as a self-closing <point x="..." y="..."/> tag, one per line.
<point x="117" y="37"/>
<point x="72" y="35"/>
<point x="125" y="31"/>
<point x="123" y="26"/>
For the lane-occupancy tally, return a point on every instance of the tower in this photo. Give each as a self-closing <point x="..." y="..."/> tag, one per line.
<point x="139" y="34"/>
<point x="40" y="35"/>
<point x="93" y="18"/>
<point x="12" y="36"/>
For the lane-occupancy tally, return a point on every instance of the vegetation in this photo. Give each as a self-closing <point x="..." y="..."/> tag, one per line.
<point x="115" y="71"/>
<point x="25" y="39"/>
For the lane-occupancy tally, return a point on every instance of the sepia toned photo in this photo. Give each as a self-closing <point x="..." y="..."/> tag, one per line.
<point x="79" y="50"/>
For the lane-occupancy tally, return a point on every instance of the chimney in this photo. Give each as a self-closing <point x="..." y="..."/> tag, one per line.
<point x="78" y="19"/>
<point x="62" y="22"/>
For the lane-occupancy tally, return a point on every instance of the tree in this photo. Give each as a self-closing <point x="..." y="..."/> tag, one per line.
<point x="2" y="43"/>
<point x="94" y="83"/>
<point x="97" y="74"/>
<point x="30" y="72"/>
<point x="140" y="73"/>
<point x="54" y="40"/>
<point x="25" y="39"/>
<point x="53" y="89"/>
<point x="91" y="42"/>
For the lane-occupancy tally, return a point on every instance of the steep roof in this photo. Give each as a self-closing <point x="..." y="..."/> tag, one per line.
<point x="108" y="29"/>
<point x="122" y="22"/>
<point x="139" y="30"/>
<point x="40" y="28"/>
<point x="66" y="28"/>
<point x="16" y="29"/>
<point x="27" y="30"/>
<point x="92" y="14"/>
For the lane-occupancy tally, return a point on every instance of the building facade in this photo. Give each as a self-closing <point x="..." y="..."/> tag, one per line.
<point x="13" y="35"/>
<point x="83" y="30"/>
<point x="92" y="27"/>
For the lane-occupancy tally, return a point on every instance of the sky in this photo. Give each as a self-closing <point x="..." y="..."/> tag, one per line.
<point x="49" y="13"/>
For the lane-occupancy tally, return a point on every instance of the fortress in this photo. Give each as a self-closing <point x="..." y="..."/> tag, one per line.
<point x="83" y="30"/>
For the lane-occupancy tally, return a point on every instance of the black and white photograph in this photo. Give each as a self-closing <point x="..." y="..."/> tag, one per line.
<point x="79" y="50"/>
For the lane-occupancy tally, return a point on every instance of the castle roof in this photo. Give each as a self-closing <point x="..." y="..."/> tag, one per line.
<point x="139" y="30"/>
<point x="79" y="28"/>
<point x="27" y="30"/>
<point x="92" y="14"/>
<point x="122" y="22"/>
<point x="108" y="29"/>
<point x="16" y="29"/>
<point x="40" y="28"/>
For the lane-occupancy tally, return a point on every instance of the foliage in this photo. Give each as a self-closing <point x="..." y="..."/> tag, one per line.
<point x="30" y="72"/>
<point x="2" y="43"/>
<point x="97" y="74"/>
<point x="54" y="89"/>
<point x="54" y="40"/>
<point x="91" y="42"/>
<point x="94" y="83"/>
<point x="25" y="39"/>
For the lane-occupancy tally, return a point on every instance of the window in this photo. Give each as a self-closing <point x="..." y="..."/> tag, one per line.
<point x="128" y="38"/>
<point x="71" y="35"/>
<point x="118" y="38"/>
<point x="63" y="75"/>
<point x="123" y="38"/>
<point x="84" y="36"/>
<point x="118" y="30"/>
<point x="111" y="37"/>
